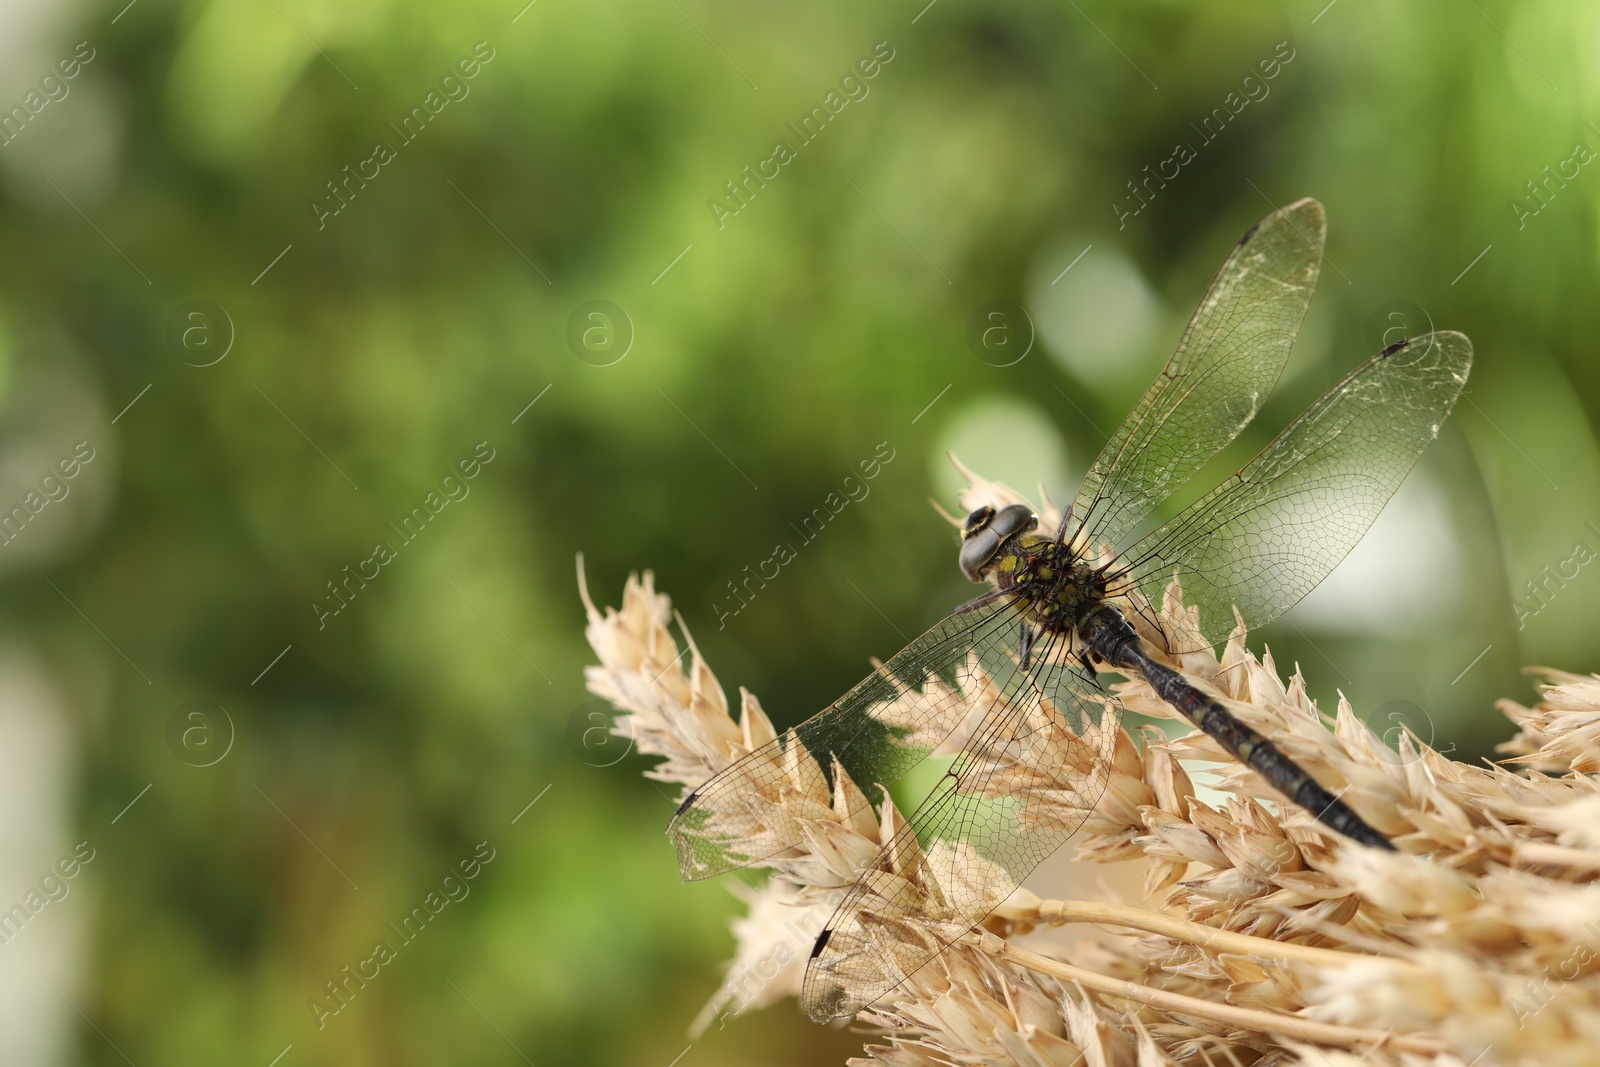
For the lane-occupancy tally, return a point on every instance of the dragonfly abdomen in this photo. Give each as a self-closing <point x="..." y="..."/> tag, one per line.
<point x="1110" y="637"/>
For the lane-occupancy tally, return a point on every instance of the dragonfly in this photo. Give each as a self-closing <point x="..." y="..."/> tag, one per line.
<point x="1018" y="667"/>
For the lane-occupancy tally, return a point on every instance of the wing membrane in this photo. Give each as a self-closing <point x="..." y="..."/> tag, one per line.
<point x="1026" y="780"/>
<point x="1264" y="538"/>
<point x="876" y="732"/>
<point x="1227" y="362"/>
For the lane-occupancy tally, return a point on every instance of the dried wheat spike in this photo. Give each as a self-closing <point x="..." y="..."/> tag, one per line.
<point x="1251" y="934"/>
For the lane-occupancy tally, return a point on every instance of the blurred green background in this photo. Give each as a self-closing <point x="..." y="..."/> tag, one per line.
<point x="343" y="364"/>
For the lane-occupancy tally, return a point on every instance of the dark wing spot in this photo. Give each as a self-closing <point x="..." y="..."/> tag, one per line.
<point x="1397" y="346"/>
<point x="690" y="799"/>
<point x="1251" y="232"/>
<point x="822" y="942"/>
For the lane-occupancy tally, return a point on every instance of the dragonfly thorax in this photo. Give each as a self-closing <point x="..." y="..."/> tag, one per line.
<point x="1002" y="547"/>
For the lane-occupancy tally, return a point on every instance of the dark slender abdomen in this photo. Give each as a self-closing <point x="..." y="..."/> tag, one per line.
<point x="1110" y="637"/>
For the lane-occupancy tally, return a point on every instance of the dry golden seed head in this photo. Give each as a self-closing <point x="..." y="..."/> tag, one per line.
<point x="1576" y="823"/>
<point x="1488" y="934"/>
<point x="755" y="729"/>
<point x="1174" y="838"/>
<point x="965" y="1009"/>
<point x="1404" y="884"/>
<point x="774" y="939"/>
<point x="1167" y="779"/>
<point x="1317" y="886"/>
<point x="1161" y="874"/>
<point x="1224" y="886"/>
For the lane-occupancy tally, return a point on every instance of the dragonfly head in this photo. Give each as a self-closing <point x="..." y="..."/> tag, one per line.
<point x="986" y="530"/>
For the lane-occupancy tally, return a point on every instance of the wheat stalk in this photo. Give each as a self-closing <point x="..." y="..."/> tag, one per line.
<point x="1259" y="936"/>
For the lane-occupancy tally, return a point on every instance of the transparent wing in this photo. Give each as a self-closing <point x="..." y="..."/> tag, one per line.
<point x="1267" y="536"/>
<point x="876" y="732"/>
<point x="1226" y="363"/>
<point x="1027" y="779"/>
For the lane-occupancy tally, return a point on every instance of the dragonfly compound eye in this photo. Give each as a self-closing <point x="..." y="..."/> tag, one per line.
<point x="1013" y="519"/>
<point x="976" y="521"/>
<point x="982" y="539"/>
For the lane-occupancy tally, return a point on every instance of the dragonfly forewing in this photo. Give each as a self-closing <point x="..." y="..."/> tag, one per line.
<point x="1266" y="537"/>
<point x="1226" y="363"/>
